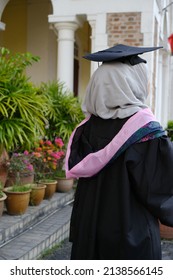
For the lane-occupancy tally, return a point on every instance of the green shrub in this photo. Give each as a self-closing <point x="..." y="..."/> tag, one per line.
<point x="65" y="110"/>
<point x="170" y="129"/>
<point x="22" y="108"/>
<point x="170" y="124"/>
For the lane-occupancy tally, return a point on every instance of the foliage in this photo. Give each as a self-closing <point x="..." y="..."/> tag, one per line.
<point x="22" y="108"/>
<point x="65" y="113"/>
<point x="18" y="164"/>
<point x="28" y="112"/>
<point x="1" y="190"/>
<point x="60" y="173"/>
<point x="46" y="156"/>
<point x="170" y="124"/>
<point x="46" y="180"/>
<point x="18" y="188"/>
<point x="170" y="129"/>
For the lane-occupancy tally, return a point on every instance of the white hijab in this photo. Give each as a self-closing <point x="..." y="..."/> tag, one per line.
<point x="116" y="90"/>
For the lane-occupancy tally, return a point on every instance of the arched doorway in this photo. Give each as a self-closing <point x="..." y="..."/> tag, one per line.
<point x="27" y="30"/>
<point x="3" y="3"/>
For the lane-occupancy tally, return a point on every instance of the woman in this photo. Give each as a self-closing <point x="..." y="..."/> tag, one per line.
<point x="124" y="162"/>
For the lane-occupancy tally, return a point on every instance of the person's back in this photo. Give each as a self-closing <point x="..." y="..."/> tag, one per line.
<point x="120" y="154"/>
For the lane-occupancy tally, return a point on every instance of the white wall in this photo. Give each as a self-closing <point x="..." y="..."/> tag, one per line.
<point x="71" y="7"/>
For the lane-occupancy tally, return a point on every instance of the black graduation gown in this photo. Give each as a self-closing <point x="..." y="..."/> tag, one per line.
<point x="115" y="213"/>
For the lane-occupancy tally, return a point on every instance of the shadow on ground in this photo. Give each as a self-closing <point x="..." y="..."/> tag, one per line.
<point x="62" y="252"/>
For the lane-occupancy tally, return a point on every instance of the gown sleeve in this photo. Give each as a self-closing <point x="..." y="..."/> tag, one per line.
<point x="150" y="167"/>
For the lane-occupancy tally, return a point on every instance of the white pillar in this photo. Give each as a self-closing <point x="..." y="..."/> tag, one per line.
<point x="93" y="27"/>
<point x="66" y="38"/>
<point x="98" y="25"/>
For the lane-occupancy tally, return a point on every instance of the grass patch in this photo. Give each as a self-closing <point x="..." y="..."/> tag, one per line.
<point x="50" y="251"/>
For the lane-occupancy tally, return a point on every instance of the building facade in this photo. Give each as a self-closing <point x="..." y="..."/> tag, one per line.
<point x="61" y="32"/>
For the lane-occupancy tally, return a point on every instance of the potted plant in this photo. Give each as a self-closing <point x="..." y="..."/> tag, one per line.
<point x="64" y="116"/>
<point x="63" y="184"/>
<point x="37" y="193"/>
<point x="22" y="106"/>
<point x="46" y="156"/>
<point x="65" y="113"/>
<point x="17" y="200"/>
<point x="50" y="187"/>
<point x="20" y="169"/>
<point x="2" y="199"/>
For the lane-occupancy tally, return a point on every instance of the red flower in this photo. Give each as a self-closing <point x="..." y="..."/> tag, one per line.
<point x="59" y="142"/>
<point x="47" y="155"/>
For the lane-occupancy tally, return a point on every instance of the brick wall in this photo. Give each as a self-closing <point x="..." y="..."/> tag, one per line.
<point x="124" y="28"/>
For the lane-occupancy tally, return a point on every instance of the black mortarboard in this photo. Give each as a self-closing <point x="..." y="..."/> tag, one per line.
<point x="121" y="53"/>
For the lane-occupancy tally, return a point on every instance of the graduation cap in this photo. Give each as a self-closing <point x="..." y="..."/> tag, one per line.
<point x="121" y="53"/>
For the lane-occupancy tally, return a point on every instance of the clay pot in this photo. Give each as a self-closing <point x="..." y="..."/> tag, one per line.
<point x="37" y="194"/>
<point x="50" y="187"/>
<point x="16" y="202"/>
<point x="64" y="184"/>
<point x="2" y="199"/>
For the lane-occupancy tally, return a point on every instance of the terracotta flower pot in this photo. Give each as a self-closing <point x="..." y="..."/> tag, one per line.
<point x="16" y="202"/>
<point x="64" y="184"/>
<point x="37" y="194"/>
<point x="50" y="187"/>
<point x="2" y="199"/>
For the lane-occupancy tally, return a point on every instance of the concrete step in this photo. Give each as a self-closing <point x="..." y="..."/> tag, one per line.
<point x="40" y="228"/>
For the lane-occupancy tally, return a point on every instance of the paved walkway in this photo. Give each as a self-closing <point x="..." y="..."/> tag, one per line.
<point x="167" y="250"/>
<point x="63" y="252"/>
<point x="27" y="236"/>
